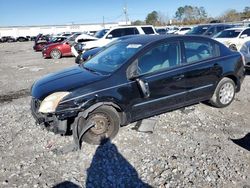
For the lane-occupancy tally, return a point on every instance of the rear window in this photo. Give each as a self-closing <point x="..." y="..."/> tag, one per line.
<point x="197" y="51"/>
<point x="148" y="30"/>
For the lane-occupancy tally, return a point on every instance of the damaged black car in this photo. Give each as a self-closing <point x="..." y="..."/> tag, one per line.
<point x="136" y="79"/>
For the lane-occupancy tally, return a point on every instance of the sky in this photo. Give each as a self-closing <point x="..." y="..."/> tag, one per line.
<point x="50" y="12"/>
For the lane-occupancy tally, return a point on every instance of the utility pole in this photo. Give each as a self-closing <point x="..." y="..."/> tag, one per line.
<point x="103" y="23"/>
<point x="125" y="11"/>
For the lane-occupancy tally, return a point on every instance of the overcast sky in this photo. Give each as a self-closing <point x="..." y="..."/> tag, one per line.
<point x="43" y="12"/>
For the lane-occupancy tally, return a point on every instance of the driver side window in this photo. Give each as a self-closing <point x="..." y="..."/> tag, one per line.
<point x="163" y="56"/>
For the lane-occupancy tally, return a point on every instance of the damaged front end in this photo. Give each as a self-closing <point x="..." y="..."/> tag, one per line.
<point x="59" y="124"/>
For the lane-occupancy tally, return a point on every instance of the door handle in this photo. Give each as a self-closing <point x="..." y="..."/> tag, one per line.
<point x="179" y="77"/>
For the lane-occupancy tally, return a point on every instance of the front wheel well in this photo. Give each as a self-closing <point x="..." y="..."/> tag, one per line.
<point x="117" y="108"/>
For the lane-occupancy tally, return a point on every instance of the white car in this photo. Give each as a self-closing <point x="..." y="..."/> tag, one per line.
<point x="105" y="36"/>
<point x="85" y="37"/>
<point x="234" y="38"/>
<point x="182" y="30"/>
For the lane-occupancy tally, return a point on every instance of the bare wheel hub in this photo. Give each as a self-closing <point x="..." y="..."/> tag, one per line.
<point x="101" y="123"/>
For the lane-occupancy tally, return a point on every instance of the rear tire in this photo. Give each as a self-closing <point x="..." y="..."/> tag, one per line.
<point x="55" y="54"/>
<point x="107" y="124"/>
<point x="224" y="93"/>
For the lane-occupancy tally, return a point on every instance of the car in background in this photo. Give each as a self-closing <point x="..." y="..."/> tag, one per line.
<point x="57" y="50"/>
<point x="182" y="30"/>
<point x="8" y="39"/>
<point x="86" y="55"/>
<point x="22" y="39"/>
<point x="136" y="79"/>
<point x="161" y="31"/>
<point x="107" y="35"/>
<point x="38" y="46"/>
<point x="234" y="38"/>
<point x="245" y="51"/>
<point x="172" y="30"/>
<point x="208" y="30"/>
<point x="84" y="38"/>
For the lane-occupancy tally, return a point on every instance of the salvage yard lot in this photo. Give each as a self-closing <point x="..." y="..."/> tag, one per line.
<point x="192" y="147"/>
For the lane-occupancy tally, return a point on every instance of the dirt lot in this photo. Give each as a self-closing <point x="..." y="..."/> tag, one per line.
<point x="200" y="146"/>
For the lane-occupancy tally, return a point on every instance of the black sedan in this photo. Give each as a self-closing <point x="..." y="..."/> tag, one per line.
<point x="135" y="79"/>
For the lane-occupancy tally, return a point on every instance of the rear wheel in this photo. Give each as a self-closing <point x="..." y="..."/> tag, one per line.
<point x="55" y="54"/>
<point x="224" y="93"/>
<point x="106" y="125"/>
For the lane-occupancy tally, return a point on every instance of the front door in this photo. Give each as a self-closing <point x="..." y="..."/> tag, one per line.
<point x="161" y="81"/>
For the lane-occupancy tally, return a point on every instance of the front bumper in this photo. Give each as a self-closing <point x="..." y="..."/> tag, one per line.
<point x="45" y="54"/>
<point x="48" y="121"/>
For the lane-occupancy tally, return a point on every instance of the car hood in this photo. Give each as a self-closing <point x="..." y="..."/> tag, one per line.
<point x="65" y="80"/>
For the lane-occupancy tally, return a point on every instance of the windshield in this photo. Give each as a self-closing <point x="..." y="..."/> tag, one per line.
<point x="199" y="30"/>
<point x="101" y="33"/>
<point x="113" y="57"/>
<point x="228" y="34"/>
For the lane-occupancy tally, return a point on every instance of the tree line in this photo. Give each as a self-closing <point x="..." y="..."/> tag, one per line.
<point x="188" y="15"/>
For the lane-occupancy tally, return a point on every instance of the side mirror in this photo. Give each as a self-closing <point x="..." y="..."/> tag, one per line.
<point x="110" y="36"/>
<point x="143" y="85"/>
<point x="132" y="71"/>
<point x="243" y="36"/>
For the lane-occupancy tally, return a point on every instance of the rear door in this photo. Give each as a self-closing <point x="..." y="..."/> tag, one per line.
<point x="201" y="68"/>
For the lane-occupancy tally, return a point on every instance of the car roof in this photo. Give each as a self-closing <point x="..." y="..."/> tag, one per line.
<point x="146" y="39"/>
<point x="238" y="28"/>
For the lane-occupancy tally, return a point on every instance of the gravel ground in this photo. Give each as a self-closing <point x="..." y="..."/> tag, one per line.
<point x="199" y="146"/>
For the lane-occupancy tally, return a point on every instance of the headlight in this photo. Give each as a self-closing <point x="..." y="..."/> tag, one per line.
<point x="50" y="103"/>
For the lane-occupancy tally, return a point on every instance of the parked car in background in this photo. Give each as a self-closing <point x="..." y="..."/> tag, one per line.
<point x="136" y="79"/>
<point x="209" y="30"/>
<point x="86" y="55"/>
<point x="245" y="50"/>
<point x="84" y="38"/>
<point x="234" y="38"/>
<point x="57" y="50"/>
<point x="38" y="46"/>
<point x="182" y="30"/>
<point x="22" y="39"/>
<point x="172" y="30"/>
<point x="8" y="39"/>
<point x="105" y="36"/>
<point x="161" y="31"/>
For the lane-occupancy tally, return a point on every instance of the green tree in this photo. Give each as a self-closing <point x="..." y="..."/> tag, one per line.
<point x="152" y="18"/>
<point x="231" y="16"/>
<point x="191" y="14"/>
<point x="138" y="22"/>
<point x="246" y="13"/>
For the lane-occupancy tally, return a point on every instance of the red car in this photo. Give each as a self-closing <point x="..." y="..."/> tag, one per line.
<point x="39" y="45"/>
<point x="57" y="50"/>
